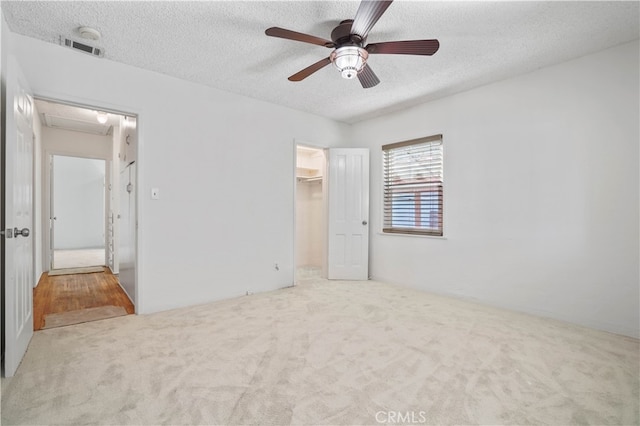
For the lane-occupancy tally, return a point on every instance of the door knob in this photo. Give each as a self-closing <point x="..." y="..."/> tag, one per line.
<point x="364" y="222"/>
<point x="24" y="232"/>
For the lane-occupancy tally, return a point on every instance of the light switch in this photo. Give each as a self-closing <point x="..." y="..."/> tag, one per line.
<point x="155" y="193"/>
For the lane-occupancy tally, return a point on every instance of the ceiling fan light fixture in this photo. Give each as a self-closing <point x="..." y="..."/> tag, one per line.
<point x="102" y="117"/>
<point x="349" y="60"/>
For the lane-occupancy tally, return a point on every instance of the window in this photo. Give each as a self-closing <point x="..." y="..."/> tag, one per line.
<point x="413" y="186"/>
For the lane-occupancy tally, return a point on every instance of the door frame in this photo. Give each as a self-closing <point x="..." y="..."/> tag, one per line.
<point x="139" y="150"/>
<point x="325" y="206"/>
<point x="48" y="195"/>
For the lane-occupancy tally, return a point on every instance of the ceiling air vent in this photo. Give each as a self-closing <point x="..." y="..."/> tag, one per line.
<point x="94" y="51"/>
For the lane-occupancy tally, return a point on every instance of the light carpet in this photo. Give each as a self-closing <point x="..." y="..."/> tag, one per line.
<point x="79" y="316"/>
<point x="327" y="353"/>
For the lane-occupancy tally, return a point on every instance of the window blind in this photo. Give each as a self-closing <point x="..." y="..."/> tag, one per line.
<point x="413" y="186"/>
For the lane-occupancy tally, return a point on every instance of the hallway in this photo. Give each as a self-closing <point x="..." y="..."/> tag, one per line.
<point x="65" y="293"/>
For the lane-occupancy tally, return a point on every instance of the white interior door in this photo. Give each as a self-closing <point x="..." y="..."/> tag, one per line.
<point x="127" y="232"/>
<point x="348" y="214"/>
<point x="19" y="281"/>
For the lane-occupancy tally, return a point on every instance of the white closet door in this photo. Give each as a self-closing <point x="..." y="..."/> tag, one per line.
<point x="348" y="214"/>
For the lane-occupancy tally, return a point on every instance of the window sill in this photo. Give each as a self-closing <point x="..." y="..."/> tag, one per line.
<point x="396" y="234"/>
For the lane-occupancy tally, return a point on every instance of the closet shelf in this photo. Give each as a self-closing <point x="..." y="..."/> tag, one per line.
<point x="307" y="173"/>
<point x="309" y="179"/>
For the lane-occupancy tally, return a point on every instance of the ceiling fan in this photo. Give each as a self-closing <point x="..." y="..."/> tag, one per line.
<point x="350" y="54"/>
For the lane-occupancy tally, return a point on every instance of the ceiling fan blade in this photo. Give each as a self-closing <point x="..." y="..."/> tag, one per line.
<point x="367" y="15"/>
<point x="292" y="35"/>
<point x="367" y="77"/>
<point x="301" y="75"/>
<point x="411" y="47"/>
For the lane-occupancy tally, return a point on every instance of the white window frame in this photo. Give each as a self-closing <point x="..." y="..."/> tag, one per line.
<point x="434" y="181"/>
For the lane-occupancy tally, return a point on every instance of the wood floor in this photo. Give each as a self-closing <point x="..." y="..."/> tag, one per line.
<point x="64" y="293"/>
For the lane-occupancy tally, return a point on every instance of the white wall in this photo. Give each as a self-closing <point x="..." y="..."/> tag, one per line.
<point x="208" y="237"/>
<point x="310" y="161"/>
<point x="78" y="202"/>
<point x="310" y="208"/>
<point x="541" y="193"/>
<point x="309" y="224"/>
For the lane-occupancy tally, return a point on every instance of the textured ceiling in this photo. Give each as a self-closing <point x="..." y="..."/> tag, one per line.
<point x="222" y="44"/>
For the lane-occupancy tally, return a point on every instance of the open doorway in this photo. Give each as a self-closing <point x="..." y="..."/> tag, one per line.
<point x="78" y="210"/>
<point x="88" y="213"/>
<point x="311" y="214"/>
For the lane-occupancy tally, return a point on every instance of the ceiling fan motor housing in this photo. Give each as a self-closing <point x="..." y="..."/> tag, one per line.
<point x="341" y="35"/>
